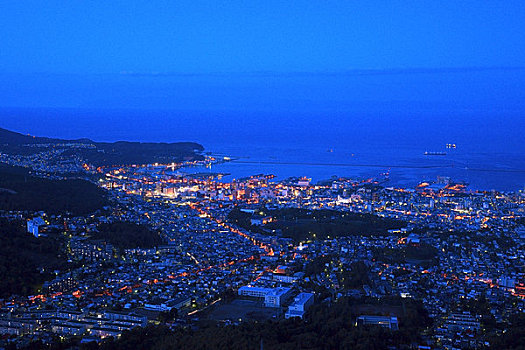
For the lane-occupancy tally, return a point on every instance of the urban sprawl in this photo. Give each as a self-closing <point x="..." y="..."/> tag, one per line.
<point x="212" y="266"/>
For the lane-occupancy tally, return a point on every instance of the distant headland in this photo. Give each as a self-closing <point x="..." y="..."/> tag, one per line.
<point x="101" y="153"/>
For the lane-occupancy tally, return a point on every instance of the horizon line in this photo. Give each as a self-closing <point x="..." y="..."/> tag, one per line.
<point x="276" y="73"/>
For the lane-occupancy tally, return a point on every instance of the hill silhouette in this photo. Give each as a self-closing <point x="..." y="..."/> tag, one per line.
<point x="102" y="153"/>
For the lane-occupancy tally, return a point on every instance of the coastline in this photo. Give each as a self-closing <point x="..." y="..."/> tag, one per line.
<point x="407" y="168"/>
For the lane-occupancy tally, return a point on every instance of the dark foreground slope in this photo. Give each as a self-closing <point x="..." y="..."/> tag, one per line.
<point x="325" y="327"/>
<point x="25" y="261"/>
<point x="21" y="191"/>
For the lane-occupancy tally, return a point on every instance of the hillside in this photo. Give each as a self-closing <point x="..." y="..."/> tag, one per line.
<point x="12" y="138"/>
<point x="21" y="191"/>
<point x="21" y="256"/>
<point x="101" y="153"/>
<point x="125" y="153"/>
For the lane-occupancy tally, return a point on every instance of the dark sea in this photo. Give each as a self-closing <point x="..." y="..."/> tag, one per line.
<point x="319" y="126"/>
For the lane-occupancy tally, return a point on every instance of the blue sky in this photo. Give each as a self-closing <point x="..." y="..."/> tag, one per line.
<point x="264" y="55"/>
<point x="100" y="37"/>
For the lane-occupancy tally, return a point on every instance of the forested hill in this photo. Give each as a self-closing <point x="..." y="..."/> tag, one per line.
<point x="26" y="261"/>
<point x="102" y="153"/>
<point x="305" y="224"/>
<point x="126" y="153"/>
<point x="8" y="137"/>
<point x="21" y="191"/>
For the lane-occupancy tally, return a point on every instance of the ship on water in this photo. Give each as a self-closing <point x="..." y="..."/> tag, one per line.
<point x="430" y="153"/>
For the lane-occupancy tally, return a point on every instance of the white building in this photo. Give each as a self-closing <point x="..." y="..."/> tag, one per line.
<point x="389" y="322"/>
<point x="33" y="226"/>
<point x="255" y="292"/>
<point x="277" y="296"/>
<point x="300" y="304"/>
<point x="273" y="297"/>
<point x="506" y="282"/>
<point x="283" y="278"/>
